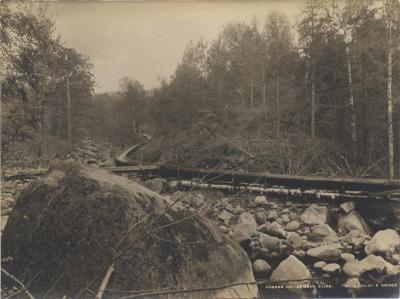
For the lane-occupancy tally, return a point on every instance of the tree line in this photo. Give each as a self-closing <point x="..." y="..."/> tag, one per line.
<point x="332" y="80"/>
<point x="317" y="97"/>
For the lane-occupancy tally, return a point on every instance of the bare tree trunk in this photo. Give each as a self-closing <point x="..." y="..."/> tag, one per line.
<point x="312" y="78"/>
<point x="390" y="100"/>
<point x="69" y="138"/>
<point x="278" y="108"/>
<point x="313" y="98"/>
<point x="40" y="125"/>
<point x="351" y="106"/>
<point x="264" y="93"/>
<point x="252" y="86"/>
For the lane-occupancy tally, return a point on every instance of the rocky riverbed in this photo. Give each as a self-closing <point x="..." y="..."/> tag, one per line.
<point x="296" y="248"/>
<point x="301" y="248"/>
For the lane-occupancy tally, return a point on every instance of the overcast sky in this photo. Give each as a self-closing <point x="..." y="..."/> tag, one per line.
<point x="146" y="40"/>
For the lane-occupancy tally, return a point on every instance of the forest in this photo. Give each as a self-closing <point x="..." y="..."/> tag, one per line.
<point x="319" y="97"/>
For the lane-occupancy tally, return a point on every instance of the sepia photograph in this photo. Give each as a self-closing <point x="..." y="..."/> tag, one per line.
<point x="200" y="149"/>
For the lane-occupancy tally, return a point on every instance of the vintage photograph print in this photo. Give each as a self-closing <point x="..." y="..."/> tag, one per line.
<point x="200" y="149"/>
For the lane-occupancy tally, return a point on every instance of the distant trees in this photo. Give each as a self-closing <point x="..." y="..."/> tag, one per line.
<point x="334" y="86"/>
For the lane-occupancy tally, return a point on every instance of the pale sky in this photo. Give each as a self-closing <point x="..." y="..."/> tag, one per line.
<point x="145" y="40"/>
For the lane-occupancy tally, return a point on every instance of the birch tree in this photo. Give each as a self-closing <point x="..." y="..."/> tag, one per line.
<point x="388" y="17"/>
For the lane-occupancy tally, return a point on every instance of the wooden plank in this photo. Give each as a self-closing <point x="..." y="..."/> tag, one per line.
<point x="302" y="182"/>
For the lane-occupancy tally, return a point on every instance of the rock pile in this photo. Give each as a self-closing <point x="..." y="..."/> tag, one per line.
<point x="314" y="240"/>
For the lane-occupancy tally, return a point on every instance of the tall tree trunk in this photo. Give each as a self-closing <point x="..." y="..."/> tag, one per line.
<point x="252" y="86"/>
<point x="69" y="130"/>
<point x="365" y="111"/>
<point x="351" y="106"/>
<point x="40" y="125"/>
<point x="390" y="100"/>
<point x="312" y="97"/>
<point x="277" y="91"/>
<point x="264" y="93"/>
<point x="312" y="77"/>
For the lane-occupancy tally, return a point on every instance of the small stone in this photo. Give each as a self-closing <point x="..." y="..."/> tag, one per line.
<point x="319" y="265"/>
<point x="224" y="229"/>
<point x="347" y="257"/>
<point x="279" y="220"/>
<point x="292" y="226"/>
<point x="285" y="218"/>
<point x="225" y="215"/>
<point x="156" y="185"/>
<point x="247" y="228"/>
<point x="347" y="207"/>
<point x="229" y="207"/>
<point x="246" y="217"/>
<point x="329" y="252"/>
<point x="294" y="240"/>
<point x="352" y="221"/>
<point x="269" y="242"/>
<point x="261" y="200"/>
<point x="197" y="200"/>
<point x="292" y="215"/>
<point x="331" y="268"/>
<point x="352" y="283"/>
<point x="91" y="161"/>
<point x="260" y="217"/>
<point x="261" y="267"/>
<point x="238" y="210"/>
<point x="355" y="238"/>
<point x="322" y="232"/>
<point x="240" y="236"/>
<point x="396" y="259"/>
<point x="272" y="216"/>
<point x="275" y="229"/>
<point x="299" y="253"/>
<point x="264" y="227"/>
<point x="274" y="206"/>
<point x="285" y="211"/>
<point x="314" y="214"/>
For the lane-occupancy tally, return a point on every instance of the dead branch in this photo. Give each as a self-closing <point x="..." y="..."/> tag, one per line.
<point x="105" y="281"/>
<point x="18" y="282"/>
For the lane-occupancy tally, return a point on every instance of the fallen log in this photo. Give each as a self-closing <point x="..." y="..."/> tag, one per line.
<point x="293" y="193"/>
<point x="337" y="185"/>
<point x="24" y="175"/>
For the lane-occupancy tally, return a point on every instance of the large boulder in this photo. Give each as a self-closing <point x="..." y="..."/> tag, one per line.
<point x="352" y="221"/>
<point x="292" y="272"/>
<point x="329" y="252"/>
<point x="355" y="268"/>
<point x="70" y="228"/>
<point x="315" y="214"/>
<point x="384" y="241"/>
